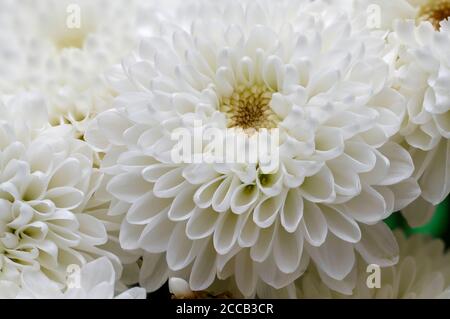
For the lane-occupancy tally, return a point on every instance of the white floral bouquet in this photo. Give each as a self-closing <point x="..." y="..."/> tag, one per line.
<point x="240" y="149"/>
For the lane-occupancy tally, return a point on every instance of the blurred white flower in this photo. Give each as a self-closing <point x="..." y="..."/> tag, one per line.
<point x="47" y="217"/>
<point x="61" y="48"/>
<point x="318" y="78"/>
<point x="423" y="73"/>
<point x="423" y="272"/>
<point x="96" y="280"/>
<point x="420" y="38"/>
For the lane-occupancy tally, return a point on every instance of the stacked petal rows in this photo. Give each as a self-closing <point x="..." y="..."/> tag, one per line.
<point x="88" y="176"/>
<point x="330" y="96"/>
<point x="49" y="49"/>
<point x="48" y="215"/>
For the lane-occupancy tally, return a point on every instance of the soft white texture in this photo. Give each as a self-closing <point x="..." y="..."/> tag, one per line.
<point x="423" y="272"/>
<point x="96" y="280"/>
<point x="423" y="73"/>
<point x="48" y="218"/>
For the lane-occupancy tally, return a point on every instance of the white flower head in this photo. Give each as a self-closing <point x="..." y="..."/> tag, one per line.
<point x="47" y="178"/>
<point x="298" y="66"/>
<point x="61" y="48"/>
<point x="423" y="70"/>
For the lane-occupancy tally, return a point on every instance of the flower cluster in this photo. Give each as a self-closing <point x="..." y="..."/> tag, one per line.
<point x="93" y="93"/>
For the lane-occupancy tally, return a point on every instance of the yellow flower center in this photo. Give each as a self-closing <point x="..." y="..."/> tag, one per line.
<point x="249" y="108"/>
<point x="435" y="11"/>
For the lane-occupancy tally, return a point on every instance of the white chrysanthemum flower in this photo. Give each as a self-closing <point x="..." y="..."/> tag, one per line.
<point x="423" y="272"/>
<point x="47" y="218"/>
<point x="295" y="66"/>
<point x="423" y="73"/>
<point x="94" y="280"/>
<point x="61" y="48"/>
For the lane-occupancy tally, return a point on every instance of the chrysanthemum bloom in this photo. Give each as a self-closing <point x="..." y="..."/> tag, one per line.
<point x="61" y="48"/>
<point x="47" y="218"/>
<point x="419" y="30"/>
<point x="423" y="272"/>
<point x="94" y="280"/>
<point x="423" y="71"/>
<point x="297" y="67"/>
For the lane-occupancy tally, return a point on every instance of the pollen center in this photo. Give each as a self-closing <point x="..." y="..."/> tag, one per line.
<point x="249" y="108"/>
<point x="435" y="11"/>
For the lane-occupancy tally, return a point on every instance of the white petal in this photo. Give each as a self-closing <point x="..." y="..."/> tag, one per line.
<point x="96" y="272"/>
<point x="204" y="195"/>
<point x="155" y="236"/>
<point x="153" y="172"/>
<point x="204" y="269"/>
<point x="335" y="257"/>
<point x="361" y="156"/>
<point x="263" y="247"/>
<point x="341" y="225"/>
<point x="183" y="205"/>
<point x="269" y="273"/>
<point x="133" y="293"/>
<point x="154" y="272"/>
<point x="65" y="197"/>
<point x="344" y="286"/>
<point x="199" y="173"/>
<point x="128" y="187"/>
<point x="320" y="187"/>
<point x="170" y="184"/>
<point x="227" y="232"/>
<point x="270" y="184"/>
<point x="113" y="125"/>
<point x="146" y="208"/>
<point x="313" y="224"/>
<point x="287" y="250"/>
<point x="129" y="235"/>
<point x="179" y="288"/>
<point x="250" y="232"/>
<point x="180" y="249"/>
<point x="246" y="278"/>
<point x="67" y="174"/>
<point x="405" y="193"/>
<point x="419" y="212"/>
<point x="267" y="210"/>
<point x="244" y="197"/>
<point x="401" y="165"/>
<point x="92" y="230"/>
<point x="378" y="245"/>
<point x="292" y="211"/>
<point x="221" y="201"/>
<point x="202" y="223"/>
<point x="368" y="207"/>
<point x="346" y="180"/>
<point x="435" y="182"/>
